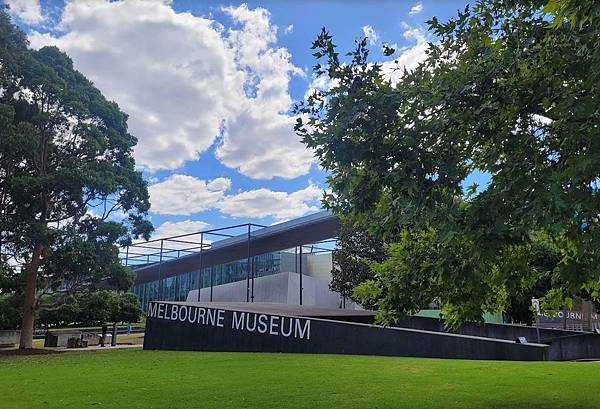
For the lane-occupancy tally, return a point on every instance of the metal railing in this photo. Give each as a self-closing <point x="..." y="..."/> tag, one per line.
<point x="161" y="250"/>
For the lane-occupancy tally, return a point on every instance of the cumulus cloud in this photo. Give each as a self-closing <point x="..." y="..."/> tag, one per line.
<point x="416" y="9"/>
<point x="265" y="202"/>
<point x="409" y="58"/>
<point x="185" y="80"/>
<point x="288" y="29"/>
<point x="28" y="11"/>
<point x="320" y="84"/>
<point x="370" y="34"/>
<point x="260" y="140"/>
<point x="185" y="195"/>
<point x="170" y="229"/>
<point x="170" y="248"/>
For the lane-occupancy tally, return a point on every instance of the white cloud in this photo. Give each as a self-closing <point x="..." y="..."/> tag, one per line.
<point x="260" y="141"/>
<point x="170" y="229"/>
<point x="320" y="84"/>
<point x="542" y="120"/>
<point x="261" y="144"/>
<point x="183" y="79"/>
<point x="288" y="29"/>
<point x="28" y="11"/>
<point x="265" y="202"/>
<point x="185" y="195"/>
<point x="141" y="248"/>
<point x="370" y="34"/>
<point x="416" y="9"/>
<point x="409" y="58"/>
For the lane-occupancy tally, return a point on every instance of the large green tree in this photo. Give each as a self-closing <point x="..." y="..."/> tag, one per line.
<point x="509" y="90"/>
<point x="64" y="150"/>
<point x="356" y="250"/>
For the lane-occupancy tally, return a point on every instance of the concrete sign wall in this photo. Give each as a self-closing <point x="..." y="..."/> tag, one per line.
<point x="198" y="327"/>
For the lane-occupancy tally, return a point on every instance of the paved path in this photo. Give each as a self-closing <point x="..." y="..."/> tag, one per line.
<point x="97" y="348"/>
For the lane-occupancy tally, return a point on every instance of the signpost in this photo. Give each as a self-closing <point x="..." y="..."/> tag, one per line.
<point x="535" y="303"/>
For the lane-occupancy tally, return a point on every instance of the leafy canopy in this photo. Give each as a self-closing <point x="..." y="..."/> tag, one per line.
<point x="506" y="91"/>
<point x="66" y="171"/>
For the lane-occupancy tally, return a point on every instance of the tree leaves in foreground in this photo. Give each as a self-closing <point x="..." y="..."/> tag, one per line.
<point x="66" y="166"/>
<point x="508" y="92"/>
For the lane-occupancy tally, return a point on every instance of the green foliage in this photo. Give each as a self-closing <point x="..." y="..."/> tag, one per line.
<point x="102" y="307"/>
<point x="576" y="13"/>
<point x="91" y="308"/>
<point x="503" y="92"/>
<point x="356" y="250"/>
<point x="10" y="314"/>
<point x="65" y="311"/>
<point x="66" y="168"/>
<point x="127" y="308"/>
<point x="95" y="308"/>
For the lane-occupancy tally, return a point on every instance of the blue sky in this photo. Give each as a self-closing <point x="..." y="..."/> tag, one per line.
<point x="208" y="86"/>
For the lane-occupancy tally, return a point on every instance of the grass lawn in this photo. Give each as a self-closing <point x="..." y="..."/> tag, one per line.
<point x="162" y="379"/>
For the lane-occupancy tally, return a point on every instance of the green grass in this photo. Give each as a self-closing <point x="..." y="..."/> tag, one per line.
<point x="161" y="379"/>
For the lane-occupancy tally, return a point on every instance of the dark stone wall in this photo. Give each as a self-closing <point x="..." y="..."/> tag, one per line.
<point x="168" y="331"/>
<point x="571" y="347"/>
<point x="489" y="330"/>
<point x="563" y="345"/>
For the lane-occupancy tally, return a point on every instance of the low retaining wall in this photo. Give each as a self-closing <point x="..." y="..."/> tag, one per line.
<point x="563" y="345"/>
<point x="489" y="330"/>
<point x="571" y="347"/>
<point x="9" y="338"/>
<point x="198" y="327"/>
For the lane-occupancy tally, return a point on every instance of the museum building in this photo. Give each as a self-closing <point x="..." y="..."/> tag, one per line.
<point x="288" y="263"/>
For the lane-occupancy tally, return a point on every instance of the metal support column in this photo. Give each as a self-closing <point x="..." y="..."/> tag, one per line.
<point x="252" y="285"/>
<point x="126" y="255"/>
<point x="248" y="268"/>
<point x="211" y="284"/>
<point x="160" y="285"/>
<point x="300" y="264"/>
<point x="200" y="267"/>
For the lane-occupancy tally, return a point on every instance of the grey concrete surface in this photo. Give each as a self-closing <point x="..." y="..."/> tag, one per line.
<point x="283" y="288"/>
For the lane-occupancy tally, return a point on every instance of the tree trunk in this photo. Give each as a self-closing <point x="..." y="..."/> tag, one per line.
<point x="31" y="271"/>
<point x="26" y="341"/>
<point x="113" y="340"/>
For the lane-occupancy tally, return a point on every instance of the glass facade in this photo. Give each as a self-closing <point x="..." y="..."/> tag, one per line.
<point x="177" y="288"/>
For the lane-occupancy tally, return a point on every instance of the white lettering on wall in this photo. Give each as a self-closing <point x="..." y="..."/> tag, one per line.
<point x="174" y="310"/>
<point x="290" y="327"/>
<point x="195" y="311"/>
<point x="238" y="320"/>
<point x="300" y="332"/>
<point x="220" y="318"/>
<point x="211" y="316"/>
<point x="262" y="323"/>
<point x="274" y="325"/>
<point x="152" y="309"/>
<point x="182" y="309"/>
<point x="248" y="322"/>
<point x="242" y="321"/>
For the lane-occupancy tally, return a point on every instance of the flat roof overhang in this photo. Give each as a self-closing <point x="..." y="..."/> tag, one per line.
<point x="305" y="230"/>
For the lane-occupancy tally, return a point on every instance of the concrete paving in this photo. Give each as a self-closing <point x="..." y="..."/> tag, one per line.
<point x="97" y="348"/>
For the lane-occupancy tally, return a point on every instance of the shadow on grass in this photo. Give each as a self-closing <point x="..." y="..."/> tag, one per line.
<point x="27" y="352"/>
